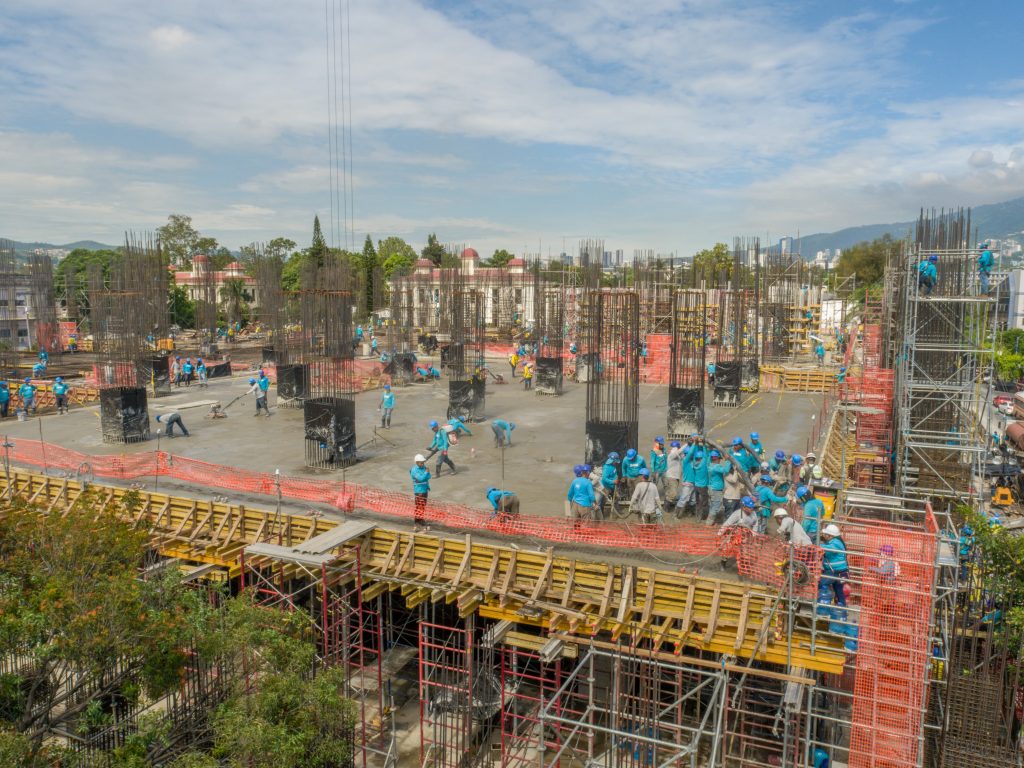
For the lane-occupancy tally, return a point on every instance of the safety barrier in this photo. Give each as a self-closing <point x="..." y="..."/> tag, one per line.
<point x="758" y="557"/>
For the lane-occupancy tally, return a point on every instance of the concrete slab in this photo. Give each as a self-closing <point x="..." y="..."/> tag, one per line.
<point x="547" y="441"/>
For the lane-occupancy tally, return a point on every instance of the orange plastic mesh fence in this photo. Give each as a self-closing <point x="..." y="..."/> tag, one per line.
<point x="758" y="557"/>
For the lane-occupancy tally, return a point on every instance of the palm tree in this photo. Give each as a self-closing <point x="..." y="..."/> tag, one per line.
<point x="235" y="298"/>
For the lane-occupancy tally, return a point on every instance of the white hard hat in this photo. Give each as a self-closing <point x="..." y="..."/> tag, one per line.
<point x="780" y="512"/>
<point x="831" y="530"/>
<point x="419" y="457"/>
<point x="811" y="455"/>
<point x="764" y="465"/>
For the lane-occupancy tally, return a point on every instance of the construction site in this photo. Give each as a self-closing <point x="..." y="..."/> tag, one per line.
<point x="533" y="639"/>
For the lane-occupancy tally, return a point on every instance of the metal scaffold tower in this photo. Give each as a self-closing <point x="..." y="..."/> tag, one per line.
<point x="942" y="356"/>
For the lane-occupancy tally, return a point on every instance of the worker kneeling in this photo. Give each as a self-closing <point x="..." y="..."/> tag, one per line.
<point x="505" y="504"/>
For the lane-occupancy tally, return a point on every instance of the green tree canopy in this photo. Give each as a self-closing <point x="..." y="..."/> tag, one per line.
<point x="499" y="258"/>
<point x="72" y="270"/>
<point x="715" y="260"/>
<point x="396" y="256"/>
<point x="181" y="241"/>
<point x="867" y="260"/>
<point x="433" y="250"/>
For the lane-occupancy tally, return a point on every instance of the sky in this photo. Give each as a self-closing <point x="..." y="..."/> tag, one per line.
<point x="661" y="124"/>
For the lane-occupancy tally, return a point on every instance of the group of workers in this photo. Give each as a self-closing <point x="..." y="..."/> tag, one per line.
<point x="928" y="274"/>
<point x="185" y="372"/>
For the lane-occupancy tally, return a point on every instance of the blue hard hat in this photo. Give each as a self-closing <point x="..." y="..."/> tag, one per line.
<point x="737" y="441"/>
<point x="645" y="472"/>
<point x="630" y="453"/>
<point x="747" y="501"/>
<point x="766" y="479"/>
<point x="798" y="459"/>
<point x="694" y="435"/>
<point x="780" y="455"/>
<point x="755" y="436"/>
<point x="802" y="491"/>
<point x="158" y="417"/>
<point x="968" y="530"/>
<point x="842" y="368"/>
<point x="587" y="468"/>
<point x="433" y="424"/>
<point x="199" y="359"/>
<point x="252" y="380"/>
<point x="59" y="379"/>
<point x="577" y="469"/>
<point x="613" y="456"/>
<point x="659" y="439"/>
<point x="28" y="380"/>
<point x="675" y="444"/>
<point x="934" y="257"/>
<point x="387" y="386"/>
<point x="716" y="455"/>
<point x="698" y="455"/>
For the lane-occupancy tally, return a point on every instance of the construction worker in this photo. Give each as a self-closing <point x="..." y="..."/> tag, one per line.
<point x="659" y="462"/>
<point x="766" y="497"/>
<point x="27" y="393"/>
<point x="744" y="517"/>
<point x="170" y="419"/>
<point x="261" y="397"/>
<point x="513" y="360"/>
<point x="687" y="486"/>
<point x="440" y="445"/>
<point x="795" y="468"/>
<point x="711" y="374"/>
<point x="834" y="567"/>
<point x="886" y="568"/>
<point x="609" y="479"/>
<point x="646" y="501"/>
<point x="673" y="471"/>
<point x="504" y="504"/>
<point x="387" y="406"/>
<point x="716" y="486"/>
<point x="502" y="432"/>
<point x="756" y="447"/>
<point x="188" y="371"/>
<point x="263" y="381"/>
<point x="807" y="466"/>
<point x="789" y="530"/>
<point x="44" y="356"/>
<point x="420" y="489"/>
<point x="5" y="399"/>
<point x="60" y="394"/>
<point x="201" y="372"/>
<point x="700" y="459"/>
<point x="38" y="370"/>
<point x="734" y="489"/>
<point x="527" y="375"/>
<point x="841" y="376"/>
<point x="819" y="353"/>
<point x="631" y="466"/>
<point x="927" y="274"/>
<point x="777" y="462"/>
<point x="984" y="268"/>
<point x="176" y="371"/>
<point x="581" y="495"/>
<point x="814" y="511"/>
<point x="458" y="426"/>
<point x="743" y="457"/>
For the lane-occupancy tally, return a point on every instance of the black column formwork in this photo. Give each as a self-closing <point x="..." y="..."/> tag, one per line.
<point x="268" y="355"/>
<point x="547" y="375"/>
<point x="400" y="368"/>
<point x="603" y="437"/>
<point x="727" y="384"/>
<point x="292" y="384"/>
<point x="124" y="414"/>
<point x="729" y="353"/>
<point x="461" y="400"/>
<point x="160" y="375"/>
<point x="330" y="429"/>
<point x="686" y="373"/>
<point x="685" y="411"/>
<point x="750" y="375"/>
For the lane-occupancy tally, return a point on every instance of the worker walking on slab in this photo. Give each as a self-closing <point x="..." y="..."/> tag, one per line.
<point x="609" y="479"/>
<point x="387" y="405"/>
<point x="819" y="353"/>
<point x="176" y="371"/>
<point x="646" y="501"/>
<point x="527" y="376"/>
<point x="984" y="268"/>
<point x="834" y="567"/>
<point x="927" y="274"/>
<point x="581" y="497"/>
<point x="502" y="432"/>
<point x="440" y="446"/>
<point x="170" y="419"/>
<point x="27" y="392"/>
<point x="420" y="489"/>
<point x="504" y="504"/>
<point x="60" y="394"/>
<point x="261" y="397"/>
<point x="201" y="373"/>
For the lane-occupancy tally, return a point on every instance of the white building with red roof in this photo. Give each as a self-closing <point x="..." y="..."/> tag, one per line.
<point x="194" y="280"/>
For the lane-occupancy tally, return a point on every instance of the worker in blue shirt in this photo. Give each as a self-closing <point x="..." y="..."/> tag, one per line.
<point x="777" y="462"/>
<point x="44" y="356"/>
<point x="504" y="504"/>
<point x="659" y="462"/>
<point x="387" y="405"/>
<point x="38" y="370"/>
<point x="60" y="394"/>
<point x="699" y="459"/>
<point x="984" y="268"/>
<point x="717" y="471"/>
<point x="502" y="432"/>
<point x="841" y="376"/>
<point x="440" y="445"/>
<point x="766" y="498"/>
<point x="458" y="426"/>
<point x="581" y="495"/>
<point x="711" y="374"/>
<point x="631" y="466"/>
<point x="201" y="373"/>
<point x="814" y="512"/>
<point x="755" y="445"/>
<point x="744" y="458"/>
<point x="819" y="353"/>
<point x="609" y="479"/>
<point x="687" y="486"/>
<point x="5" y="400"/>
<point x="420" y="489"/>
<point x="835" y="569"/>
<point x="927" y="274"/>
<point x="27" y="392"/>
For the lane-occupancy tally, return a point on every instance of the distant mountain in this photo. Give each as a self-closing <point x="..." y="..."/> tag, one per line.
<point x="997" y="220"/>
<point x="23" y="250"/>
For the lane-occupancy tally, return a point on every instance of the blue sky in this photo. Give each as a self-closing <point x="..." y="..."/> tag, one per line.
<point x="664" y="124"/>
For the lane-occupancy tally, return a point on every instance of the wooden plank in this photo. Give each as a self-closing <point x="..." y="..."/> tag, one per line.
<point x="545" y="574"/>
<point x="741" y="626"/>
<point x="713" y="617"/>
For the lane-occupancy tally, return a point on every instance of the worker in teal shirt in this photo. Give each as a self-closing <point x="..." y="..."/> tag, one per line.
<point x="387" y="405"/>
<point x="766" y="497"/>
<point x="581" y="494"/>
<point x="502" y="431"/>
<point x="841" y="376"/>
<point x="687" y="487"/>
<point x="699" y="461"/>
<point x="5" y="399"/>
<point x="503" y="503"/>
<point x="814" y="512"/>
<point x="717" y="471"/>
<point x="609" y="479"/>
<point x="420" y="489"/>
<point x="819" y="352"/>
<point x="835" y="569"/>
<point x="459" y="426"/>
<point x="631" y="466"/>
<point x="659" y="462"/>
<point x="984" y="268"/>
<point x="60" y="394"/>
<point x="777" y="461"/>
<point x="927" y="274"/>
<point x="440" y="445"/>
<point x="27" y="392"/>
<point x="755" y="445"/>
<point x="745" y="458"/>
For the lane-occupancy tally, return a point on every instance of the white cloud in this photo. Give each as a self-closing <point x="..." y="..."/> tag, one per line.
<point x="170" y="37"/>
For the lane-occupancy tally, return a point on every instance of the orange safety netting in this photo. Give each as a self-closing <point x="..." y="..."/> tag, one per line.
<point x="758" y="557"/>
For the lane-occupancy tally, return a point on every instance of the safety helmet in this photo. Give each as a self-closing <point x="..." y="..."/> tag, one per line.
<point x="577" y="469"/>
<point x="252" y="380"/>
<point x="387" y="386"/>
<point x="802" y="491"/>
<point x="766" y="479"/>
<point x="780" y="512"/>
<point x="812" y="455"/>
<point x="419" y="457"/>
<point x="675" y="444"/>
<point x="831" y="530"/>
<point x="433" y="424"/>
<point x="199" y="359"/>
<point x="737" y="441"/>
<point x="716" y="455"/>
<point x="764" y="465"/>
<point x="967" y="530"/>
<point x="59" y="379"/>
<point x="659" y="439"/>
<point x="933" y="258"/>
<point x="630" y="453"/>
<point x="755" y="436"/>
<point x="28" y="380"/>
<point x="698" y="455"/>
<point x="694" y="435"/>
<point x="842" y="369"/>
<point x="780" y="455"/>
<point x="587" y="468"/>
<point x="817" y="473"/>
<point x="886" y="549"/>
<point x="613" y="456"/>
<point x="748" y="502"/>
<point x="158" y="417"/>
<point x="645" y="472"/>
<point x="797" y="459"/>
<point x="491" y="490"/>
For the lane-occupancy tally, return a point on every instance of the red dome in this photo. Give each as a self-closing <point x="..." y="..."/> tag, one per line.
<point x="234" y="266"/>
<point x="517" y="262"/>
<point x="424" y="263"/>
<point x="470" y="253"/>
<point x="201" y="259"/>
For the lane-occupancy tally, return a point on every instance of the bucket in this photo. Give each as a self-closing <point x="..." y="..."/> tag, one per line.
<point x="22" y="416"/>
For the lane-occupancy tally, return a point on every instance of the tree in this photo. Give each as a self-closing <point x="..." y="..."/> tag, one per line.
<point x="73" y="268"/>
<point x="714" y="261"/>
<point x="367" y="263"/>
<point x="220" y="256"/>
<point x="318" y="249"/>
<point x="182" y="308"/>
<point x="280" y="247"/>
<point x="179" y="239"/>
<point x="500" y="258"/>
<point x="396" y="256"/>
<point x="235" y="298"/>
<point x="867" y="260"/>
<point x="433" y="250"/>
